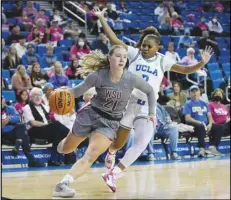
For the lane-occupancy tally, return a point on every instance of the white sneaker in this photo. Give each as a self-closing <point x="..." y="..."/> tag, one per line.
<point x="110" y="179"/>
<point x="110" y="160"/>
<point x="63" y="190"/>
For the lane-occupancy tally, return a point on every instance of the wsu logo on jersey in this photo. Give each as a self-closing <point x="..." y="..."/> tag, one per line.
<point x="146" y="68"/>
<point x="114" y="94"/>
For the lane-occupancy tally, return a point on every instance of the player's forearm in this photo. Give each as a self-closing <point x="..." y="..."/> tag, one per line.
<point x="189" y="69"/>
<point x="79" y="90"/>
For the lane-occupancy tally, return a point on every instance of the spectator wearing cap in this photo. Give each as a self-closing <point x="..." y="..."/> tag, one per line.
<point x="189" y="59"/>
<point x="30" y="57"/>
<point x="21" y="80"/>
<point x="14" y="131"/>
<point x="12" y="60"/>
<point x="41" y="15"/>
<point x="34" y="36"/>
<point x="21" y="46"/>
<point x="30" y="10"/>
<point x="197" y="114"/>
<point x="185" y="40"/>
<point x="15" y="35"/>
<point x="102" y="43"/>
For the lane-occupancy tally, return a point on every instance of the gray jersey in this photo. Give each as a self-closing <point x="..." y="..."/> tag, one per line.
<point x="112" y="98"/>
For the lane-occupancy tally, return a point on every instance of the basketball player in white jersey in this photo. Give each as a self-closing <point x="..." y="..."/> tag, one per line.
<point x="146" y="62"/>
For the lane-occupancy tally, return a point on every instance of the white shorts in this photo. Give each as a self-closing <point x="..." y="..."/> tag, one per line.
<point x="135" y="109"/>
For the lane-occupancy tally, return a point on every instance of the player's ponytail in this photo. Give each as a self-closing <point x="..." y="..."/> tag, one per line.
<point x="151" y="30"/>
<point x="96" y="60"/>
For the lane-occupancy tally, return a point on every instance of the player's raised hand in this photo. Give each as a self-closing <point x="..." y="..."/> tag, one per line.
<point x="206" y="54"/>
<point x="98" y="13"/>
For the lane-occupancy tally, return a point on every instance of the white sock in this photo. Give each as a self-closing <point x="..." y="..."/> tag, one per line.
<point x="116" y="170"/>
<point x="67" y="179"/>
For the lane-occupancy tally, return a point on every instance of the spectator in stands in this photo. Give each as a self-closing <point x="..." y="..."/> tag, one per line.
<point x="176" y="23"/>
<point x="177" y="98"/>
<point x="122" y="8"/>
<point x="48" y="37"/>
<point x="4" y="52"/>
<point x="25" y="21"/>
<point x="163" y="15"/>
<point x="111" y="13"/>
<point x="220" y="112"/>
<point x="59" y="79"/>
<point x="30" y="10"/>
<point x="38" y="78"/>
<point x="34" y="36"/>
<point x="165" y="84"/>
<point x="57" y="17"/>
<point x="23" y="99"/>
<point x="14" y="131"/>
<point x="41" y="15"/>
<point x="21" y="46"/>
<point x="30" y="56"/>
<point x="17" y="11"/>
<point x="171" y="53"/>
<point x="73" y="71"/>
<point x="208" y="40"/>
<point x="50" y="58"/>
<point x="196" y="113"/>
<point x="215" y="27"/>
<point x="163" y="99"/>
<point x="166" y="26"/>
<point x="165" y="128"/>
<point x="207" y="7"/>
<point x="203" y="95"/>
<point x="56" y="30"/>
<point x="189" y="59"/>
<point x="12" y="59"/>
<point x="110" y="22"/>
<point x="47" y="90"/>
<point x="218" y="7"/>
<point x="84" y="37"/>
<point x="15" y="35"/>
<point x="40" y="126"/>
<point x="79" y="49"/>
<point x="20" y="80"/>
<point x="202" y="24"/>
<point x="69" y="31"/>
<point x="40" y="24"/>
<point x="102" y="43"/>
<point x="159" y="10"/>
<point x="185" y="40"/>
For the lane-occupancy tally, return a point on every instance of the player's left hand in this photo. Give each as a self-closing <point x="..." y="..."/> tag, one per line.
<point x="153" y="119"/>
<point x="206" y="54"/>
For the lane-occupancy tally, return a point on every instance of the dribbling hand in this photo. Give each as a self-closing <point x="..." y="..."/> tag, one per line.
<point x="153" y="119"/>
<point x="206" y="54"/>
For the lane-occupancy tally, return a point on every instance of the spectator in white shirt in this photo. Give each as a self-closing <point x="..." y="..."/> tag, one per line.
<point x="215" y="27"/>
<point x="159" y="10"/>
<point x="171" y="53"/>
<point x="21" y="46"/>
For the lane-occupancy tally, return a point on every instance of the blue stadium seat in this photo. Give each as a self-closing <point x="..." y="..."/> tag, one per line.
<point x="216" y="83"/>
<point x="181" y="52"/>
<point x="60" y="49"/>
<point x="213" y="66"/>
<point x="8" y="6"/>
<point x="224" y="52"/>
<point x="67" y="43"/>
<point x="41" y="49"/>
<point x="5" y="35"/>
<point x="9" y="95"/>
<point x="66" y="63"/>
<point x="226" y="67"/>
<point x="24" y="33"/>
<point x="76" y="81"/>
<point x="228" y="40"/>
<point x="227" y="74"/>
<point x="213" y="59"/>
<point x="220" y="40"/>
<point x="224" y="59"/>
<point x="6" y="73"/>
<point x="12" y="20"/>
<point x="216" y="75"/>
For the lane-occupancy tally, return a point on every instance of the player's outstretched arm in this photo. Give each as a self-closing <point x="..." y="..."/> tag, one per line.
<point x="184" y="69"/>
<point x="111" y="35"/>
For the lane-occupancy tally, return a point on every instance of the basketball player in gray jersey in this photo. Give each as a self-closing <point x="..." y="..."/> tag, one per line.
<point x="100" y="120"/>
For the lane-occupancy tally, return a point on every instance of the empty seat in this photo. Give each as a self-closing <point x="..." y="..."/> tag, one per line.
<point x="224" y="59"/>
<point x="5" y="35"/>
<point x="224" y="52"/>
<point x="6" y="73"/>
<point x="216" y="75"/>
<point x="9" y="95"/>
<point x="67" y="43"/>
<point x="216" y="83"/>
<point x="226" y="67"/>
<point x="12" y="20"/>
<point x="213" y="66"/>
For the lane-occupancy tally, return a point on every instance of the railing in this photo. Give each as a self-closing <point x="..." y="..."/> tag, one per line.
<point x="79" y="9"/>
<point x="227" y="93"/>
<point x="129" y="40"/>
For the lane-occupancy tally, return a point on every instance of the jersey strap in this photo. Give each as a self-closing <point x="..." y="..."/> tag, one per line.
<point x="137" y="55"/>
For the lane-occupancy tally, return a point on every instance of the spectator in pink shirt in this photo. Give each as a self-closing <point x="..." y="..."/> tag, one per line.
<point x="30" y="10"/>
<point x="79" y="49"/>
<point x="73" y="72"/>
<point x="176" y="22"/>
<point x="56" y="30"/>
<point x="41" y="15"/>
<point x="202" y="25"/>
<point x="48" y="37"/>
<point x="40" y="24"/>
<point x="26" y="21"/>
<point x="23" y="99"/>
<point x="189" y="59"/>
<point x="34" y="36"/>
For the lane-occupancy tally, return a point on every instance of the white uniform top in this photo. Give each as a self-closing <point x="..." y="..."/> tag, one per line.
<point x="152" y="69"/>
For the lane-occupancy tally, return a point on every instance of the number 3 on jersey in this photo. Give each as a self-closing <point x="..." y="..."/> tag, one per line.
<point x="145" y="77"/>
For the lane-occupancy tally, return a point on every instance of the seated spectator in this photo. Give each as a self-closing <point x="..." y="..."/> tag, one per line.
<point x="163" y="15"/>
<point x="208" y="40"/>
<point x="41" y="25"/>
<point x="166" y="25"/>
<point x="189" y="59"/>
<point x="41" y="127"/>
<point x="185" y="40"/>
<point x="176" y="23"/>
<point x="4" y="52"/>
<point x="166" y="128"/>
<point x="79" y="49"/>
<point x="30" y="56"/>
<point x="102" y="43"/>
<point x="69" y="31"/>
<point x="14" y="131"/>
<point x="202" y="24"/>
<point x="14" y="36"/>
<point x="17" y="11"/>
<point x="25" y="21"/>
<point x="215" y="27"/>
<point x="56" y="30"/>
<point x="73" y="72"/>
<point x="218" y="7"/>
<point x="23" y="99"/>
<point x="122" y="8"/>
<point x="171" y="53"/>
<point x="196" y="113"/>
<point x="34" y="36"/>
<point x="163" y="99"/>
<point x="41" y="15"/>
<point x="56" y="17"/>
<point x="48" y="37"/>
<point x="30" y="10"/>
<point x="59" y="79"/>
<point x="165" y="84"/>
<point x="159" y="10"/>
<point x="84" y="37"/>
<point x="50" y="58"/>
<point x="21" y="46"/>
<point x="203" y="95"/>
<point x="20" y="80"/>
<point x="112" y="14"/>
<point x="220" y="112"/>
<point x="207" y="7"/>
<point x="38" y="78"/>
<point x="178" y="98"/>
<point x="12" y="59"/>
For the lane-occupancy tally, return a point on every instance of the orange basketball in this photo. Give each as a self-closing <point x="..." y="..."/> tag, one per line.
<point x="61" y="102"/>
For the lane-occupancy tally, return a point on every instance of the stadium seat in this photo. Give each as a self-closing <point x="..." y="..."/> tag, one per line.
<point x="216" y="75"/>
<point x="224" y="59"/>
<point x="226" y="67"/>
<point x="75" y="82"/>
<point x="6" y="73"/>
<point x="224" y="52"/>
<point x="213" y="59"/>
<point x="213" y="66"/>
<point x="216" y="83"/>
<point x="5" y="35"/>
<point x="227" y="74"/>
<point x="12" y="21"/>
<point x="67" y="43"/>
<point x="9" y="95"/>
<point x="24" y="33"/>
<point x="41" y="49"/>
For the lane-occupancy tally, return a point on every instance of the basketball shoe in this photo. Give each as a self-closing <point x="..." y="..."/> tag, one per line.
<point x="110" y="180"/>
<point x="63" y="190"/>
<point x="110" y="160"/>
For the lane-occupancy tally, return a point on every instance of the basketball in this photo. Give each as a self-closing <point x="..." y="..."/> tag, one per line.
<point x="61" y="102"/>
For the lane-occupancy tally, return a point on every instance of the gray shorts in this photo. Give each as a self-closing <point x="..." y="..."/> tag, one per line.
<point x="88" y="121"/>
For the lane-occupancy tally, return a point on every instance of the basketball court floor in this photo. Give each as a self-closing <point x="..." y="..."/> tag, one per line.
<point x="207" y="178"/>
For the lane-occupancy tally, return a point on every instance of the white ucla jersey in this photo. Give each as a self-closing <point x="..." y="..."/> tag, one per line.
<point x="152" y="69"/>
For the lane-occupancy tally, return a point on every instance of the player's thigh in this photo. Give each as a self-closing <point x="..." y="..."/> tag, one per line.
<point x="121" y="138"/>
